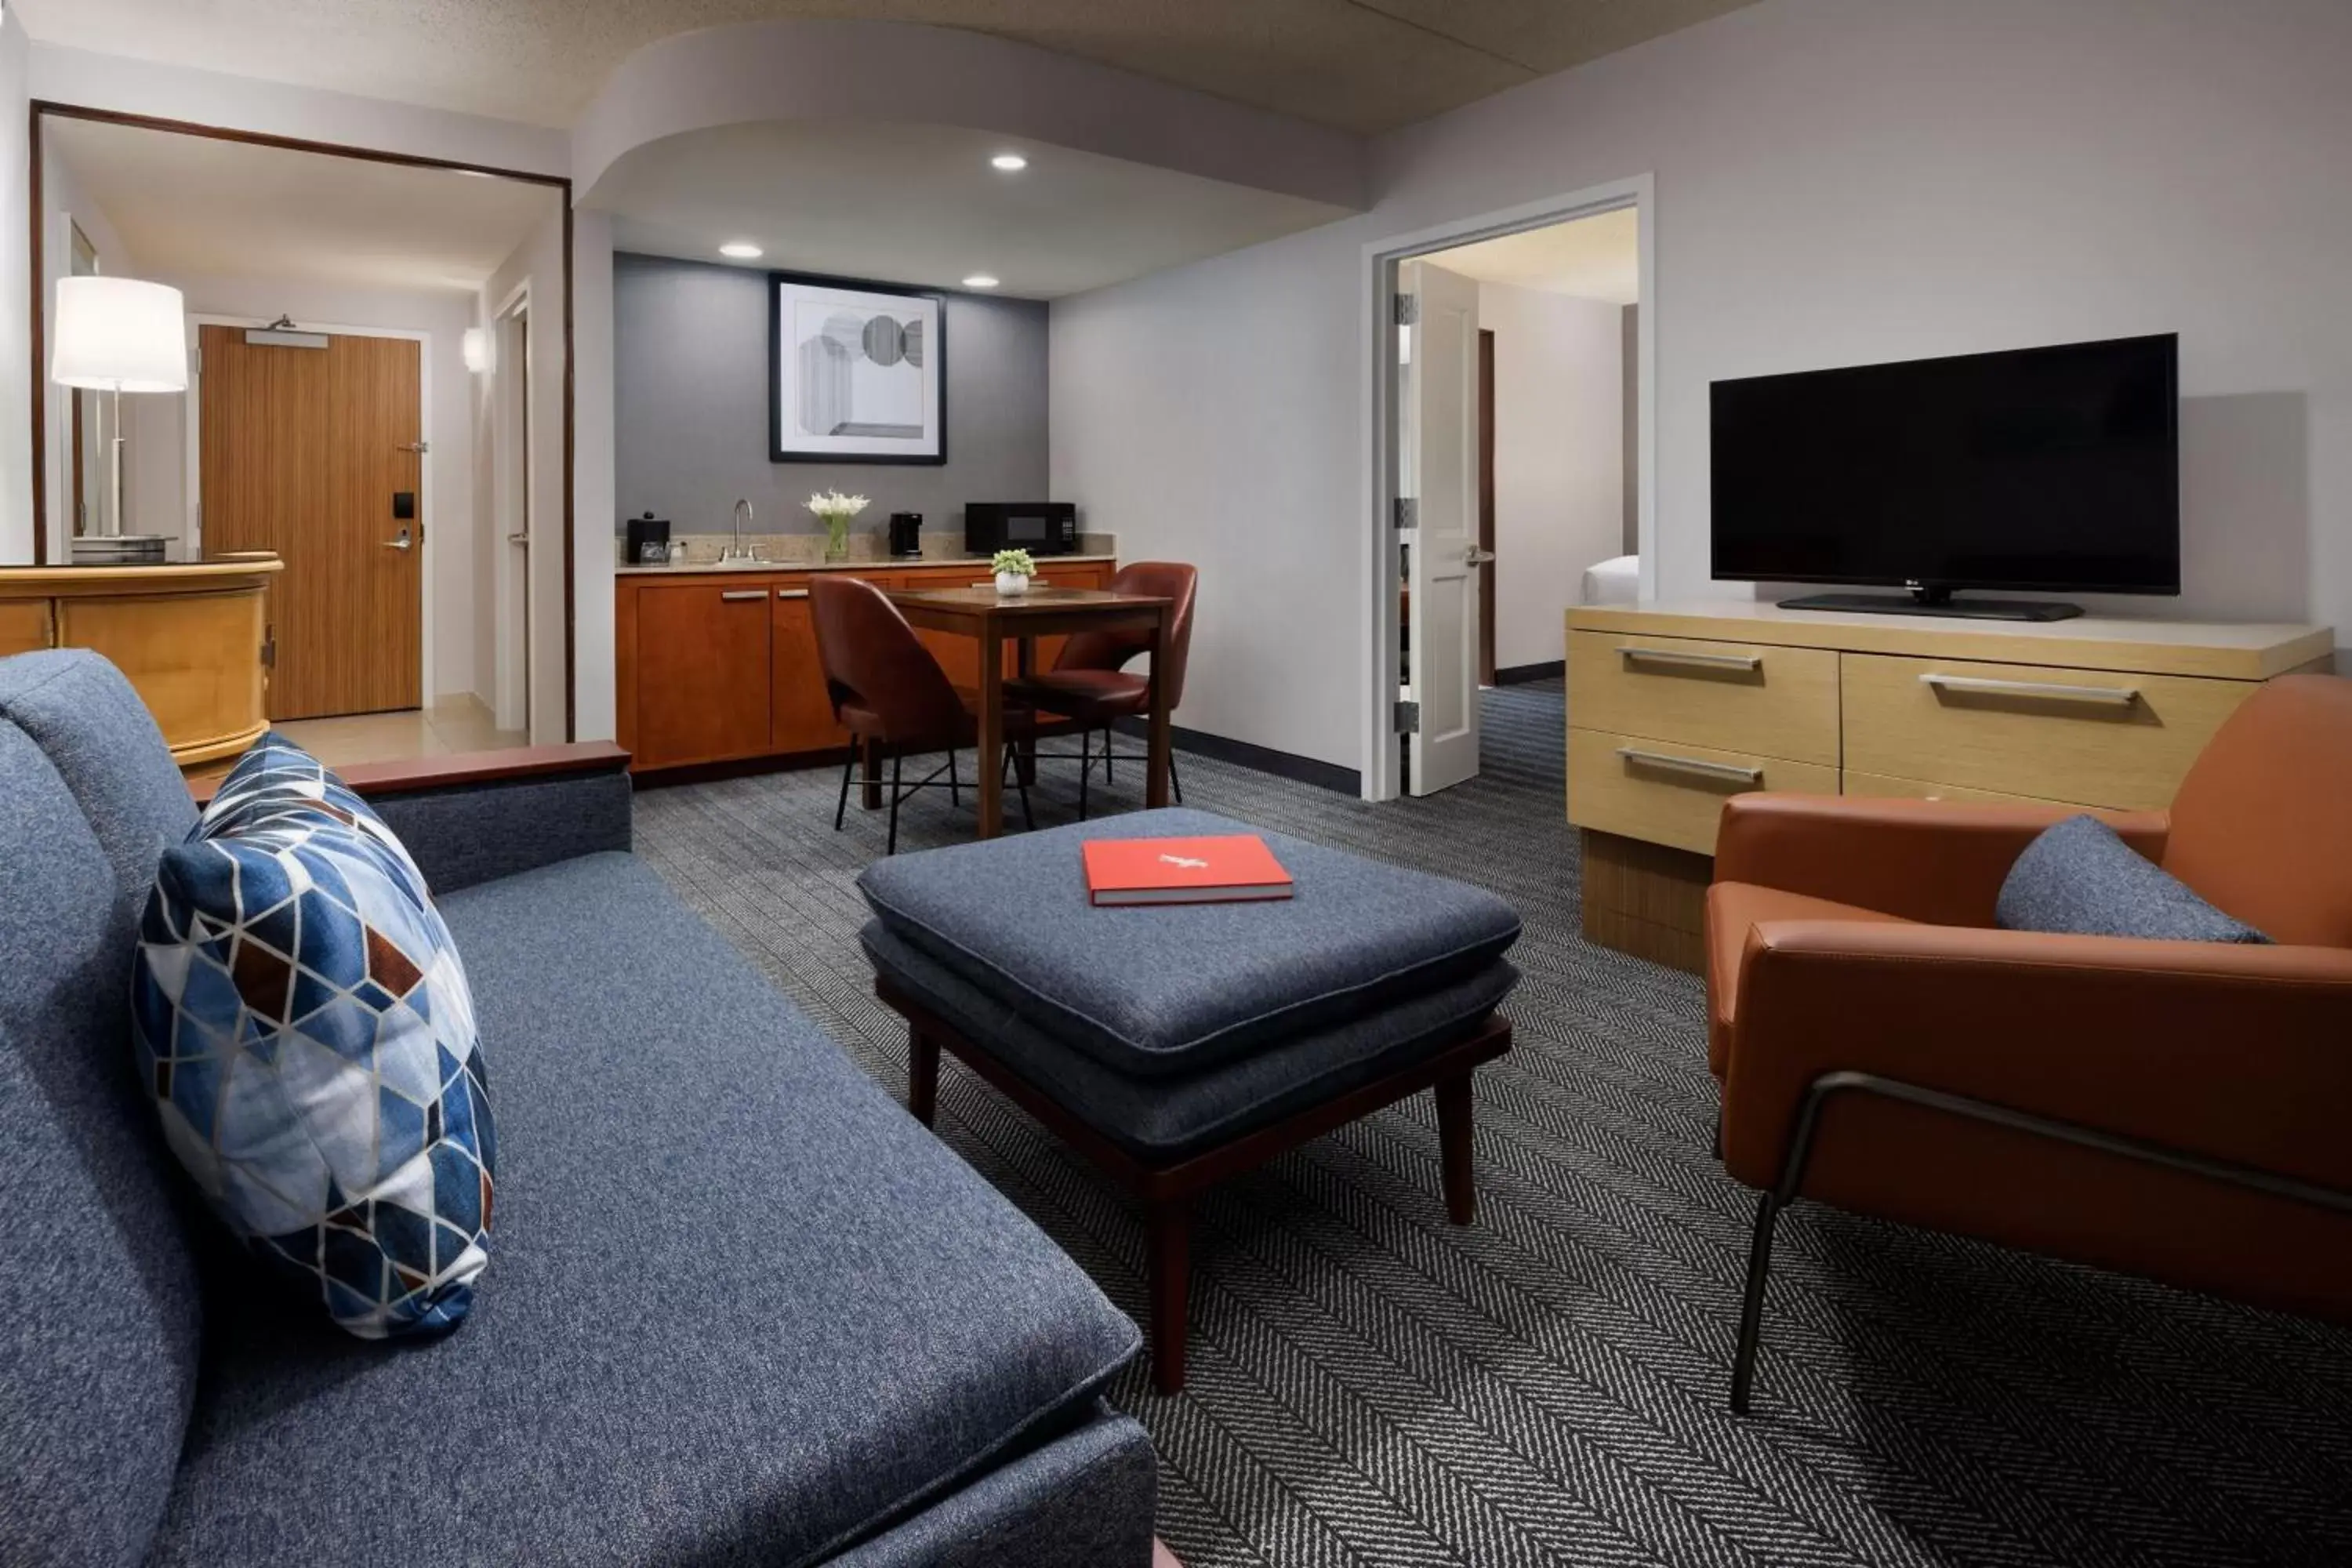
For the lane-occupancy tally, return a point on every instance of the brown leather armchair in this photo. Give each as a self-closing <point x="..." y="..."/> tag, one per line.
<point x="2175" y="1110"/>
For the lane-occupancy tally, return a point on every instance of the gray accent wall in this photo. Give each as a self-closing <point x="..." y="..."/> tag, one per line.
<point x="690" y="408"/>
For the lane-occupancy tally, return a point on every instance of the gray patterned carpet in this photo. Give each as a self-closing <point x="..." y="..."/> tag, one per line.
<point x="1371" y="1385"/>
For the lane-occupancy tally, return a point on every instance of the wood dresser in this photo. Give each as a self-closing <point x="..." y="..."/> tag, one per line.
<point x="194" y="640"/>
<point x="718" y="664"/>
<point x="1671" y="708"/>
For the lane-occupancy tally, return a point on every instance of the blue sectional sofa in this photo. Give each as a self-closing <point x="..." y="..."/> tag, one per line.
<point x="740" y="1308"/>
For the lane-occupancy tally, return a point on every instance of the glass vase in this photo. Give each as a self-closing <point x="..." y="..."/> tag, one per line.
<point x="837" y="539"/>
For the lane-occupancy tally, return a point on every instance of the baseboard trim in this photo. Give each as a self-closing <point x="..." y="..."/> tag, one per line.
<point x="1520" y="674"/>
<point x="1258" y="759"/>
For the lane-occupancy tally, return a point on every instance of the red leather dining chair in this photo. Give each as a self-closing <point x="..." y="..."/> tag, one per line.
<point x="891" y="694"/>
<point x="1089" y="684"/>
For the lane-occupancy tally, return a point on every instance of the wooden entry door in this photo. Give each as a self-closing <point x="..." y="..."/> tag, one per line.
<point x="304" y="452"/>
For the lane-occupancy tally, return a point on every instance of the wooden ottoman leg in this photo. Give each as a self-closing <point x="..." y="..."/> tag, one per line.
<point x="1454" y="1147"/>
<point x="1168" y="1232"/>
<point x="923" y="1076"/>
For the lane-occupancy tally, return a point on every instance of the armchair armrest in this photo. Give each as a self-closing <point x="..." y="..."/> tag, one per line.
<point x="2237" y="1054"/>
<point x="1938" y="862"/>
<point x="476" y="816"/>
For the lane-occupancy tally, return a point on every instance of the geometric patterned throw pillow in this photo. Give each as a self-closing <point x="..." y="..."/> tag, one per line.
<point x="304" y="1027"/>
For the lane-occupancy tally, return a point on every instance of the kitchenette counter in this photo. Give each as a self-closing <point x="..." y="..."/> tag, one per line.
<point x="876" y="564"/>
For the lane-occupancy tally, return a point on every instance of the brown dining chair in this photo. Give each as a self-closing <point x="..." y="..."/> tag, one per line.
<point x="1089" y="685"/>
<point x="893" y="696"/>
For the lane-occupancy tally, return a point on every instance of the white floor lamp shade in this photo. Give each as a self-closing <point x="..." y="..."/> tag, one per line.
<point x="119" y="335"/>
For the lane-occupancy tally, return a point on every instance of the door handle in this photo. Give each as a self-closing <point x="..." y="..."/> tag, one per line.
<point x="733" y="594"/>
<point x="2108" y="696"/>
<point x="1699" y="765"/>
<point x="1701" y="661"/>
<point x="518" y="539"/>
<point x="1473" y="556"/>
<point x="400" y="542"/>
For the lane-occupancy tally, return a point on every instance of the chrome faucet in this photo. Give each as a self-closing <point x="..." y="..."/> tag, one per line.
<point x="737" y="551"/>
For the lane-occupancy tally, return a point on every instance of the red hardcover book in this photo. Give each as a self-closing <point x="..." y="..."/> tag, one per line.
<point x="1232" y="870"/>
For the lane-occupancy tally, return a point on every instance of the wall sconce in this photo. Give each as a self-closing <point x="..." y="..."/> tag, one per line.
<point x="474" y="348"/>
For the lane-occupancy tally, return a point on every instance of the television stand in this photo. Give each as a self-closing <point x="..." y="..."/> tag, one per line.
<point x="1939" y="602"/>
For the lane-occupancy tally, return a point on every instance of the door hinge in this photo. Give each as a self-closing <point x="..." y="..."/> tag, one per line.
<point x="1408" y="512"/>
<point x="1408" y="718"/>
<point x="1408" y="309"/>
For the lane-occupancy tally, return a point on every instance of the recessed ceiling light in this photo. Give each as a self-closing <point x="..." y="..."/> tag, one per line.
<point x="980" y="280"/>
<point x="1011" y="162"/>
<point x="741" y="250"/>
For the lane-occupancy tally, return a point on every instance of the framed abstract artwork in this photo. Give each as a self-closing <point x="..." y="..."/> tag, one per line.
<point x="855" y="371"/>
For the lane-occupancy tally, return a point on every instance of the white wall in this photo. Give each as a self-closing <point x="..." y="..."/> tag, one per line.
<point x="16" y="317"/>
<point x="1837" y="182"/>
<point x="1559" y="479"/>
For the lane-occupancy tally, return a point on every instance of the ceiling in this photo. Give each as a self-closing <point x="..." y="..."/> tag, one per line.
<point x="1365" y="65"/>
<point x="195" y="205"/>
<point x="1597" y="257"/>
<point x="920" y="204"/>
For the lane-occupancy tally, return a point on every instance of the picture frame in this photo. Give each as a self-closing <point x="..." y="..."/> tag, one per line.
<point x="856" y="372"/>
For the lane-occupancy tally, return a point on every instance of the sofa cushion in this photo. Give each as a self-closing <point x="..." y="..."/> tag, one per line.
<point x="2081" y="877"/>
<point x="1166" y="1118"/>
<point x="99" y="735"/>
<point x="100" y="1313"/>
<point x="305" y="1032"/>
<point x="746" y="1309"/>
<point x="1178" y="988"/>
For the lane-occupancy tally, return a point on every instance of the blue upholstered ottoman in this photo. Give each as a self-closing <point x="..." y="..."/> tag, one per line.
<point x="1177" y="1044"/>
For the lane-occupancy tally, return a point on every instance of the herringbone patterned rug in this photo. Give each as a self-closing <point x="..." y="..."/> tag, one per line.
<point x="1371" y="1385"/>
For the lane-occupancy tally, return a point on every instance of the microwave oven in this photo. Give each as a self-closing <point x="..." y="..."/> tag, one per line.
<point x="1039" y="526"/>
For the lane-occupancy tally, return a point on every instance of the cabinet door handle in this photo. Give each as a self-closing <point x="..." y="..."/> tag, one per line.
<point x="2105" y="695"/>
<point x="1700" y="661"/>
<point x="733" y="594"/>
<point x="1692" y="765"/>
<point x="792" y="592"/>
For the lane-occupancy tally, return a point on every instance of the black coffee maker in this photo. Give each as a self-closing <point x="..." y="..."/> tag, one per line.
<point x="906" y="533"/>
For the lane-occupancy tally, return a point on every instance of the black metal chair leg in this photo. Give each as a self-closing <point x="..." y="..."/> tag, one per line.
<point x="1085" y="768"/>
<point x="1751" y="1306"/>
<point x="842" y="806"/>
<point x="894" y="761"/>
<point x="955" y="796"/>
<point x="1108" y="775"/>
<point x="1173" y="782"/>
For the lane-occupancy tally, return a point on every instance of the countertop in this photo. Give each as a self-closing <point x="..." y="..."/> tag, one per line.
<point x="886" y="564"/>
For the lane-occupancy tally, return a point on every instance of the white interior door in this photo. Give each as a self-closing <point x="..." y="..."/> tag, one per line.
<point x="1438" y="468"/>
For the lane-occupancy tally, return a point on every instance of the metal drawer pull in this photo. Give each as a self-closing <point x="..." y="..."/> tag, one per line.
<point x="733" y="594"/>
<point x="1692" y="765"/>
<point x="2112" y="696"/>
<point x="792" y="592"/>
<point x="1705" y="660"/>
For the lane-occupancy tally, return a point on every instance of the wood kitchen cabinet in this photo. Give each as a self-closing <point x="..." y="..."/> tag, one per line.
<point x="702" y="675"/>
<point x="800" y="711"/>
<point x="721" y="666"/>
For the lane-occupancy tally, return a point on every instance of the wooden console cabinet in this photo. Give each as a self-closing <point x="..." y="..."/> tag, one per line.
<point x="721" y="666"/>
<point x="193" y="640"/>
<point x="1671" y="709"/>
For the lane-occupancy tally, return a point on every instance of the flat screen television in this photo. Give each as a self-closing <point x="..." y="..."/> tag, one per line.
<point x="2042" y="469"/>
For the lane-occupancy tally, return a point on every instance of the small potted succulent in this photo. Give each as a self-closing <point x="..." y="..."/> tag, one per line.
<point x="1014" y="569"/>
<point x="836" y="510"/>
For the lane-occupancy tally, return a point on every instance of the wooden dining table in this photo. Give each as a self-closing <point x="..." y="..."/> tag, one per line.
<point x="994" y="619"/>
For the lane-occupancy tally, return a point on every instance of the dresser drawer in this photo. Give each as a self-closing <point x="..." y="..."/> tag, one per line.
<point x="1671" y="792"/>
<point x="1880" y="786"/>
<point x="1776" y="701"/>
<point x="2091" y="736"/>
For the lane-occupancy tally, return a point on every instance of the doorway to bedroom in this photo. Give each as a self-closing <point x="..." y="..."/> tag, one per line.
<point x="1515" y="453"/>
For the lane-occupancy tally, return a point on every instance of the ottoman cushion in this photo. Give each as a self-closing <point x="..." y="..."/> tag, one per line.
<point x="1166" y="1118"/>
<point x="1167" y="989"/>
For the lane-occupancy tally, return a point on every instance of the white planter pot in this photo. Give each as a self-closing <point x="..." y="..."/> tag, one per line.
<point x="1012" y="582"/>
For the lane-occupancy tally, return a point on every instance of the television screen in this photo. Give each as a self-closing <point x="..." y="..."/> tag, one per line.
<point x="2048" y="468"/>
